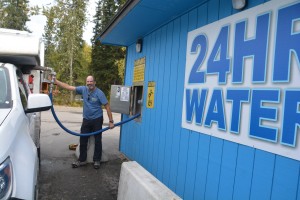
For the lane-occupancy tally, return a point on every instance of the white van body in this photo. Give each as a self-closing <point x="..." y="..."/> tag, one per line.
<point x="20" y="52"/>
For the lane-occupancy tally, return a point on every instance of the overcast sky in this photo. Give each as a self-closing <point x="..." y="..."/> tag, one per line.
<point x="37" y="23"/>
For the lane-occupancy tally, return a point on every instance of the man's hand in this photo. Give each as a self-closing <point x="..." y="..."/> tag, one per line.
<point x="50" y="77"/>
<point x="109" y="115"/>
<point x="111" y="125"/>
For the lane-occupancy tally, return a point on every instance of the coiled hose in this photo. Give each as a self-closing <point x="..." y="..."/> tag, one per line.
<point x="85" y="134"/>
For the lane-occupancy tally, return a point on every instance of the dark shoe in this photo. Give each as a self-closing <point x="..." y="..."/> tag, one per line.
<point x="97" y="164"/>
<point x="77" y="164"/>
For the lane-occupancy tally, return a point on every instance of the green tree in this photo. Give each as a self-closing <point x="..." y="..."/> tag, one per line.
<point x="106" y="59"/>
<point x="50" y="37"/>
<point x="63" y="39"/>
<point x="83" y="66"/>
<point x="14" y="14"/>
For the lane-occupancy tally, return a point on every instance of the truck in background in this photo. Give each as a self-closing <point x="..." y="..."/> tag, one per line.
<point x="21" y="58"/>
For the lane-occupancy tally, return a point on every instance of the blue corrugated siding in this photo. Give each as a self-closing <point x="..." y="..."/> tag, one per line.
<point x="262" y="175"/>
<point x="243" y="173"/>
<point x="153" y="72"/>
<point x="229" y="160"/>
<point x="193" y="138"/>
<point x="145" y="144"/>
<point x="195" y="165"/>
<point x="175" y="124"/>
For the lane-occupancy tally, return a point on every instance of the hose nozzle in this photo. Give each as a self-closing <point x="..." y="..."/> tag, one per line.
<point x="53" y="74"/>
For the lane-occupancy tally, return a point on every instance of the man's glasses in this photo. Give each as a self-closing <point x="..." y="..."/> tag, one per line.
<point x="88" y="97"/>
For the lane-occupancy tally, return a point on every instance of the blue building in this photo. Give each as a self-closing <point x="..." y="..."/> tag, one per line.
<point x="219" y="83"/>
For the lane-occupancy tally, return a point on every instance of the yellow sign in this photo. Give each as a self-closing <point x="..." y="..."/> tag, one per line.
<point x="139" y="70"/>
<point x="150" y="94"/>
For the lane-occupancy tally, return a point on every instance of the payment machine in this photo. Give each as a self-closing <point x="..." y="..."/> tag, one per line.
<point x="126" y="100"/>
<point x="129" y="99"/>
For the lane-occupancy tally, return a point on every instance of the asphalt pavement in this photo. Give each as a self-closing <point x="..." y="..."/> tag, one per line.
<point x="57" y="179"/>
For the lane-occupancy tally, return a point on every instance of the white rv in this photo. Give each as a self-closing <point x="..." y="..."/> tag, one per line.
<point x="20" y="104"/>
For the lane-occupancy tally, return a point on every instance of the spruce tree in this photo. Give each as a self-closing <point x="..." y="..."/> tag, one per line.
<point x="104" y="64"/>
<point x="14" y="14"/>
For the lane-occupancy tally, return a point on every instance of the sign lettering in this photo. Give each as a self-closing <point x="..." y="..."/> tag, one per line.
<point x="242" y="78"/>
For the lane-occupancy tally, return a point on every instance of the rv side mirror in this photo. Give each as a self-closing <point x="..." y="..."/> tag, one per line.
<point x="38" y="103"/>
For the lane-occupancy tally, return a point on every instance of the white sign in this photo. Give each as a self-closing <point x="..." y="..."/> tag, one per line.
<point x="125" y="94"/>
<point x="242" y="78"/>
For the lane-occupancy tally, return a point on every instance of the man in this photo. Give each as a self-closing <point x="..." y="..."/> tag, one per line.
<point x="93" y="99"/>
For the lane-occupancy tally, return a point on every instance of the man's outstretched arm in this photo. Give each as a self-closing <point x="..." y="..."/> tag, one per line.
<point x="64" y="85"/>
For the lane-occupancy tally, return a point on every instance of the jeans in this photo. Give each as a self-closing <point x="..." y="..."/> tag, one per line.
<point x="89" y="126"/>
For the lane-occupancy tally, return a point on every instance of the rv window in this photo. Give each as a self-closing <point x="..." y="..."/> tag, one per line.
<point x="5" y="93"/>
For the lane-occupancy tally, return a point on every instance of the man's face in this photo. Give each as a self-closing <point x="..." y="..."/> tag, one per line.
<point x="90" y="83"/>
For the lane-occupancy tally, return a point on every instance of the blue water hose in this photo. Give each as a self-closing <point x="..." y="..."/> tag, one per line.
<point x="86" y="134"/>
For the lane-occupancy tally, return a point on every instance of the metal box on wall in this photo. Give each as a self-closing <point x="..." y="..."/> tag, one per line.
<point x="120" y="99"/>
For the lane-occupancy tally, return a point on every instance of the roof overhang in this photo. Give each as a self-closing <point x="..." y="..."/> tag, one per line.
<point x="137" y="18"/>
